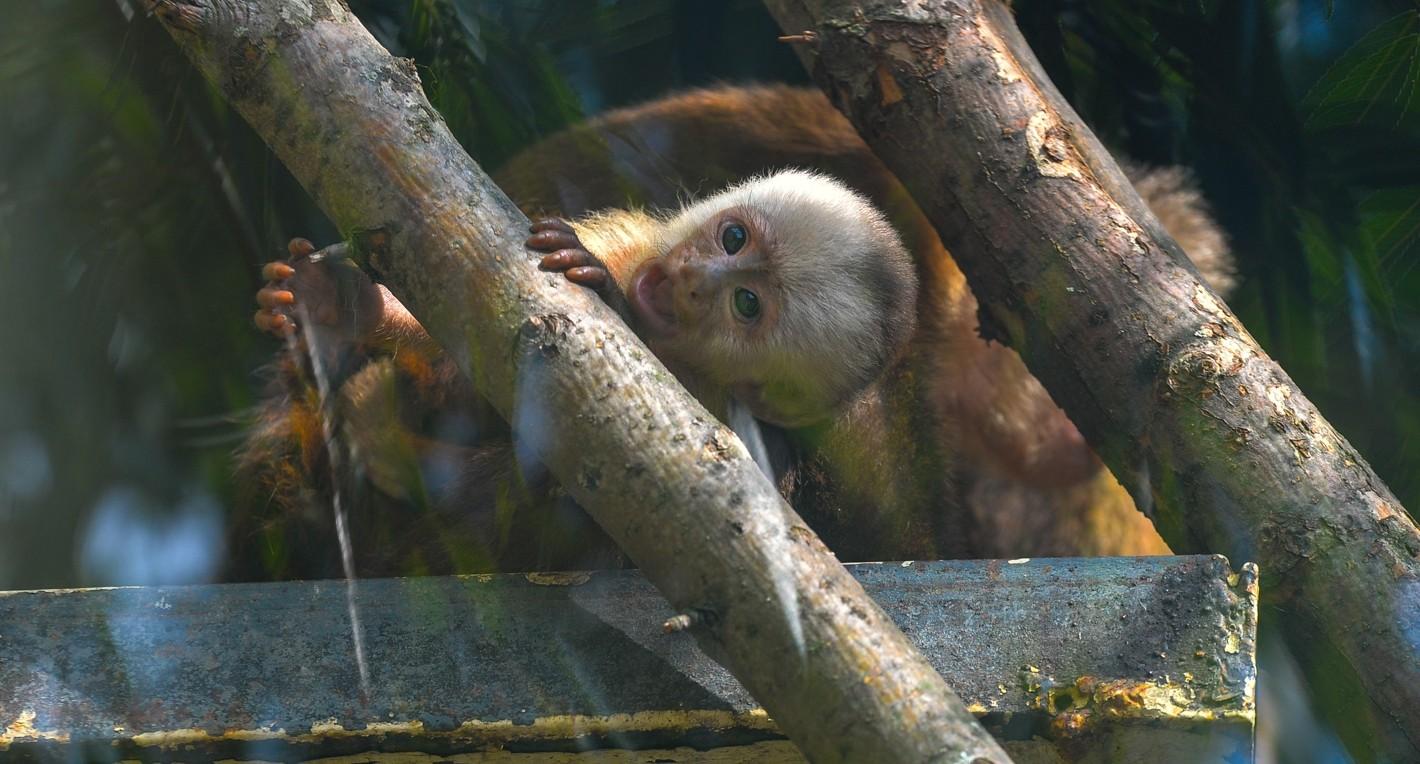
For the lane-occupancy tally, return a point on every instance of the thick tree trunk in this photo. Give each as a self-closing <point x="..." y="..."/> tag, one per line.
<point x="1211" y="437"/>
<point x="675" y="489"/>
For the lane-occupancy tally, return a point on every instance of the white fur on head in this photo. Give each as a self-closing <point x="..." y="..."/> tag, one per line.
<point x="849" y="286"/>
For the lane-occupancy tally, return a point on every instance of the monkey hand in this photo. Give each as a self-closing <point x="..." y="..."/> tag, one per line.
<point x="566" y="254"/>
<point x="323" y="291"/>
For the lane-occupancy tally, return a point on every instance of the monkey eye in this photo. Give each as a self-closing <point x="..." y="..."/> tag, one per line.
<point x="733" y="239"/>
<point x="746" y="303"/>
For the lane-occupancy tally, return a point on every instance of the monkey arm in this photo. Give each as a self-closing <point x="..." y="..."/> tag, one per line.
<point x="600" y="251"/>
<point x="398" y="330"/>
<point x="621" y="239"/>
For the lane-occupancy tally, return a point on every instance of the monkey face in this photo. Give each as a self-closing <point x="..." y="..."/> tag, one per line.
<point x="713" y="306"/>
<point x="789" y="291"/>
<point x="716" y="285"/>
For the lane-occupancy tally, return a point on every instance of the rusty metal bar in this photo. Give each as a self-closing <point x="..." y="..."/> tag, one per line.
<point x="1064" y="659"/>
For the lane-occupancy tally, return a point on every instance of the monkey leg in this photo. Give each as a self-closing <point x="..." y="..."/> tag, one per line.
<point x="324" y="298"/>
<point x="318" y="288"/>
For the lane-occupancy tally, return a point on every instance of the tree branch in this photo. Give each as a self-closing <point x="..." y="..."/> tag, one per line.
<point x="675" y="489"/>
<point x="1211" y="437"/>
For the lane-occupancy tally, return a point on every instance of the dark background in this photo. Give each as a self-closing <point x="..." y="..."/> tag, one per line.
<point x="135" y="209"/>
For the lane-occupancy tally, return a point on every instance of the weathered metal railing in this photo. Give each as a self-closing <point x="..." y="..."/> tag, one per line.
<point x="1061" y="658"/>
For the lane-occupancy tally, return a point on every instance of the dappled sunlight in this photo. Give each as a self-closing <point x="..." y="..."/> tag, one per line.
<point x="132" y="540"/>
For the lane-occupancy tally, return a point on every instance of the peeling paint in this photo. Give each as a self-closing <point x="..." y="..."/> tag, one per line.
<point x="558" y="579"/>
<point x="763" y="752"/>
<point x="492" y="734"/>
<point x="1082" y="704"/>
<point x="23" y="729"/>
<point x="18" y="592"/>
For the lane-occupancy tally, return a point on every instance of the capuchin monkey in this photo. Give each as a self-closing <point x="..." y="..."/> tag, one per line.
<point x="894" y="438"/>
<point x="787" y="294"/>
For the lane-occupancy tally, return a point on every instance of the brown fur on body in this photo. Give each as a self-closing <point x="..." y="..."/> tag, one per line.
<point x="1175" y="199"/>
<point x="1029" y="482"/>
<point x="427" y="479"/>
<point x="956" y="451"/>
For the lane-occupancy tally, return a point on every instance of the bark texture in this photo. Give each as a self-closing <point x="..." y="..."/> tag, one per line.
<point x="675" y="489"/>
<point x="1211" y="437"/>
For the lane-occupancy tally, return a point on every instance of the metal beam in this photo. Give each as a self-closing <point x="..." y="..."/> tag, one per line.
<point x="1064" y="659"/>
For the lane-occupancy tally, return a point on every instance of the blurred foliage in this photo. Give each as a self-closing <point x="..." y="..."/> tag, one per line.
<point x="506" y="73"/>
<point x="135" y="208"/>
<point x="126" y="234"/>
<point x="1302" y="123"/>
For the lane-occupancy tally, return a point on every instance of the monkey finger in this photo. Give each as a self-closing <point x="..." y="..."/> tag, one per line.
<point x="277" y="271"/>
<point x="549" y="240"/>
<point x="270" y="297"/>
<point x="274" y="323"/>
<point x="588" y="276"/>
<point x="563" y="259"/>
<point x="299" y="248"/>
<point x="551" y="224"/>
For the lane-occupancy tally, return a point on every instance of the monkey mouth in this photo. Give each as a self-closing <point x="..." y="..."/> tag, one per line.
<point x="653" y="299"/>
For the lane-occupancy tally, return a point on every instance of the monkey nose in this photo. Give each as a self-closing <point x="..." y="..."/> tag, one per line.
<point x="692" y="288"/>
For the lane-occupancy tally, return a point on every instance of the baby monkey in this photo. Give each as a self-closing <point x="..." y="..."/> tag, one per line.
<point x="788" y="293"/>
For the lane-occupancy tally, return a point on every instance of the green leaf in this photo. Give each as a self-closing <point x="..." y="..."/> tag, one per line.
<point x="1390" y="224"/>
<point x="1372" y="83"/>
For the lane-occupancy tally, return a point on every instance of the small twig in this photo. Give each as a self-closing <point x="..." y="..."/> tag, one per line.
<point x="680" y="622"/>
<point x="807" y="37"/>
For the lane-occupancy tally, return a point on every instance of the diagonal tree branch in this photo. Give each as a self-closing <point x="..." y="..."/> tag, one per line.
<point x="675" y="489"/>
<point x="1210" y="435"/>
